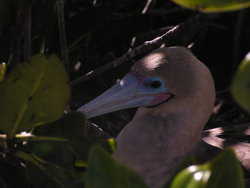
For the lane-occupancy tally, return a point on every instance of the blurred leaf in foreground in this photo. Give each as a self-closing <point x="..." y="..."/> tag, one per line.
<point x="69" y="128"/>
<point x="214" y="5"/>
<point x="34" y="93"/>
<point x="241" y="84"/>
<point x="51" y="176"/>
<point x="103" y="171"/>
<point x="223" y="171"/>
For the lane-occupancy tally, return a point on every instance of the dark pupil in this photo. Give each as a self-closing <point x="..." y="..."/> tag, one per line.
<point x="155" y="84"/>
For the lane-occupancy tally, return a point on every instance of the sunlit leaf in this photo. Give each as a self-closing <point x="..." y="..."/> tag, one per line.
<point x="2" y="70"/>
<point x="34" y="93"/>
<point x="103" y="171"/>
<point x="214" y="5"/>
<point x="223" y="171"/>
<point x="112" y="144"/>
<point x="241" y="84"/>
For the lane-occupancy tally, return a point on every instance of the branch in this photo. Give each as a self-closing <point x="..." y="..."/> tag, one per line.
<point x="22" y="31"/>
<point x="145" y="9"/>
<point x="27" y="30"/>
<point x="181" y="35"/>
<point x="62" y="33"/>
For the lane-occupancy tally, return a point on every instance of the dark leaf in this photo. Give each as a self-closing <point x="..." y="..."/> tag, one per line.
<point x="103" y="171"/>
<point x="222" y="171"/>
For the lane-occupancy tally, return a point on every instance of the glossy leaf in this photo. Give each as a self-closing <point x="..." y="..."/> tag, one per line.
<point x="214" y="5"/>
<point x="222" y="171"/>
<point x="103" y="171"/>
<point x="240" y="88"/>
<point x="34" y="93"/>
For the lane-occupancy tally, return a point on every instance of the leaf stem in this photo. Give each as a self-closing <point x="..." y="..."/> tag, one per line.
<point x="18" y="120"/>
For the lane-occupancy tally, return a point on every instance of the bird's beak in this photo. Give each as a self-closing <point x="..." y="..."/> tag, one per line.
<point x="123" y="95"/>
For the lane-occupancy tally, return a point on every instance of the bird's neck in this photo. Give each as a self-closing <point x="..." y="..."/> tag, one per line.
<point x="155" y="144"/>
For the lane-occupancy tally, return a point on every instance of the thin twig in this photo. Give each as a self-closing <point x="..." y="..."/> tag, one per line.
<point x="180" y="35"/>
<point x="62" y="33"/>
<point x="16" y="41"/>
<point x="145" y="9"/>
<point x="22" y="31"/>
<point x="27" y="30"/>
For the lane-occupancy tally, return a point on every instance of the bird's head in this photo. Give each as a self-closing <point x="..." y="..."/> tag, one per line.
<point x="164" y="75"/>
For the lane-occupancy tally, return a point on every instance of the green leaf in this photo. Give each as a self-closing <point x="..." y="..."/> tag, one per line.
<point x="103" y="171"/>
<point x="240" y="88"/>
<point x="47" y="175"/>
<point x="3" y="68"/>
<point x="52" y="177"/>
<point x="34" y="93"/>
<point x="214" y="5"/>
<point x="69" y="128"/>
<point x="223" y="171"/>
<point x="41" y="178"/>
<point x="226" y="170"/>
<point x="30" y="158"/>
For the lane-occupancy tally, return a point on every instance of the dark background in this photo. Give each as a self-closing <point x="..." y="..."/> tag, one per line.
<point x="223" y="45"/>
<point x="100" y="31"/>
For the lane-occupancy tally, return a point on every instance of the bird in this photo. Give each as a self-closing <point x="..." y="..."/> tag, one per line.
<point x="175" y="95"/>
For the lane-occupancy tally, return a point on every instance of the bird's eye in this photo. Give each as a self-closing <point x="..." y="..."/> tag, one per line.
<point x="155" y="83"/>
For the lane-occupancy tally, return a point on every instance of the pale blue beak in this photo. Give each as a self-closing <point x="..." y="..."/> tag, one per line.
<point x="129" y="92"/>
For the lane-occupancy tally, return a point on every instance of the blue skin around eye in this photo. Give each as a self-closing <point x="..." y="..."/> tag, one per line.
<point x="144" y="86"/>
<point x="147" y="87"/>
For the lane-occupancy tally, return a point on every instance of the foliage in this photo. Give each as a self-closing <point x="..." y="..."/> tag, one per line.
<point x="103" y="171"/>
<point x="223" y="170"/>
<point x="214" y="5"/>
<point x="241" y="84"/>
<point x="34" y="89"/>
